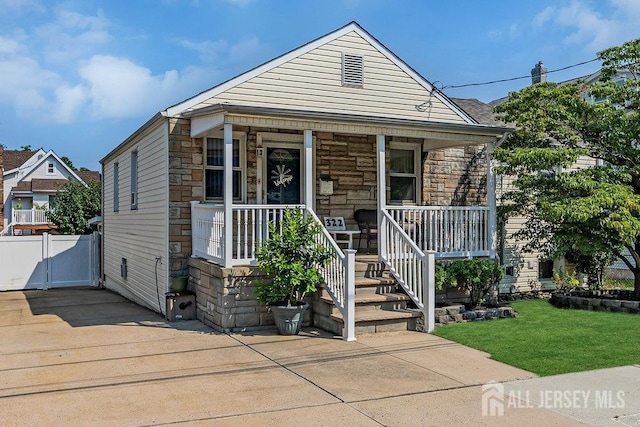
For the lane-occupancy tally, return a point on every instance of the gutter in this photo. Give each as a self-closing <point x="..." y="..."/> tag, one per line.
<point x="467" y="128"/>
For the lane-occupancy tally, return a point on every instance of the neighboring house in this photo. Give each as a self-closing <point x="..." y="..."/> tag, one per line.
<point x="336" y="125"/>
<point x="31" y="180"/>
<point x="526" y="271"/>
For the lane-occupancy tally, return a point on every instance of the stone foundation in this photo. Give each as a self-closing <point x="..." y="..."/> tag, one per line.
<point x="458" y="314"/>
<point x="226" y="297"/>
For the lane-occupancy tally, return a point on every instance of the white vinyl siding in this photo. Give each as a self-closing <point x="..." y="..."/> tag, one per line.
<point x="313" y="81"/>
<point x="138" y="238"/>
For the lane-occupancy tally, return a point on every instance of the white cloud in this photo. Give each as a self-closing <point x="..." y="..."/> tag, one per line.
<point x="208" y="50"/>
<point x="545" y="16"/>
<point x="21" y="6"/>
<point x="72" y="35"/>
<point x="22" y="76"/>
<point x="68" y="104"/>
<point x="591" y="28"/>
<point x="117" y="87"/>
<point x="11" y="46"/>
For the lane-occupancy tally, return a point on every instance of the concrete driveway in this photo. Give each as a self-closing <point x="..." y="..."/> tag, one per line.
<point x="89" y="357"/>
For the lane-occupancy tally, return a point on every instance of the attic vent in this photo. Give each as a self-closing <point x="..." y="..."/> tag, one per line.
<point x="352" y="70"/>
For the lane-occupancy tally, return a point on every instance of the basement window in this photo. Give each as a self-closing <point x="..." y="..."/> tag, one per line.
<point x="352" y="70"/>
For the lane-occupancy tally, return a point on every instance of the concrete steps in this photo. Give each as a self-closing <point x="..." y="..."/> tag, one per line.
<point x="381" y="304"/>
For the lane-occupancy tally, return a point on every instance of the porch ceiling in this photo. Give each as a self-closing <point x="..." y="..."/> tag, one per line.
<point x="437" y="135"/>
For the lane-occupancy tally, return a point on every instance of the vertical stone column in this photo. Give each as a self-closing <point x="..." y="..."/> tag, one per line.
<point x="186" y="183"/>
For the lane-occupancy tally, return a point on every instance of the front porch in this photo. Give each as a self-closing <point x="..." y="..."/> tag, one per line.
<point x="333" y="174"/>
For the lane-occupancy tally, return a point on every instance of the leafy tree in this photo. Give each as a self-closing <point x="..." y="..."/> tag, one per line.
<point x="68" y="162"/>
<point x="591" y="211"/>
<point x="25" y="147"/>
<point x="75" y="205"/>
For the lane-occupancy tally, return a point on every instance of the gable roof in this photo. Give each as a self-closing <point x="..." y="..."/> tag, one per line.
<point x="45" y="157"/>
<point x="353" y="26"/>
<point x="13" y="159"/>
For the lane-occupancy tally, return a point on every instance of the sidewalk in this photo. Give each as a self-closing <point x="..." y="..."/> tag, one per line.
<point x="89" y="357"/>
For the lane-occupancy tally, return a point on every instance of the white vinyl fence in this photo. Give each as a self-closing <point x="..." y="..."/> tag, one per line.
<point x="48" y="261"/>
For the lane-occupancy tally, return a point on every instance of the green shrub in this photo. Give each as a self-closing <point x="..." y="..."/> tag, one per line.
<point x="564" y="281"/>
<point x="476" y="276"/>
<point x="291" y="257"/>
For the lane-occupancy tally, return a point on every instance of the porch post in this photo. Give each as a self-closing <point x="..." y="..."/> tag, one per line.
<point x="429" y="291"/>
<point x="491" y="204"/>
<point x="228" y="194"/>
<point x="382" y="196"/>
<point x="308" y="169"/>
<point x="349" y="327"/>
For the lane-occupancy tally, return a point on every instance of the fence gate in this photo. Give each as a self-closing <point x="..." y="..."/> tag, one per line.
<point x="48" y="261"/>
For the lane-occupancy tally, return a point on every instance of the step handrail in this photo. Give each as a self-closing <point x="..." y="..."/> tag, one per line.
<point x="339" y="276"/>
<point x="411" y="267"/>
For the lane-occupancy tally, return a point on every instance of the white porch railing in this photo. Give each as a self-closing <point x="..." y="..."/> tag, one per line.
<point x="449" y="231"/>
<point x="29" y="216"/>
<point x="250" y="228"/>
<point x="413" y="269"/>
<point x="207" y="231"/>
<point x="340" y="279"/>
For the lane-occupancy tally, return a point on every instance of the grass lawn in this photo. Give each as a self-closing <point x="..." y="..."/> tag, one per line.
<point x="549" y="341"/>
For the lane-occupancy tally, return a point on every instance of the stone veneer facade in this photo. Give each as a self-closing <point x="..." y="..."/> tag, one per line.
<point x="449" y="177"/>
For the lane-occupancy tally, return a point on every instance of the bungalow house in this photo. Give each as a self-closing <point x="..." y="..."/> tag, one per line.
<point x="31" y="180"/>
<point x="338" y="125"/>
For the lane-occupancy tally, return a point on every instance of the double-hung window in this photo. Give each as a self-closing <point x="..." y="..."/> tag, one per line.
<point x="404" y="173"/>
<point x="214" y="167"/>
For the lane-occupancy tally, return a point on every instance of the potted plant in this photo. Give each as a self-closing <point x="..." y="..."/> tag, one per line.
<point x="291" y="257"/>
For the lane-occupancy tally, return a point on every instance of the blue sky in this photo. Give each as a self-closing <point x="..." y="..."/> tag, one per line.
<point x="80" y="76"/>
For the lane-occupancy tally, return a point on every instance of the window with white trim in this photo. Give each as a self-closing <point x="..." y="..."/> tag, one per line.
<point x="404" y="173"/>
<point x="214" y="167"/>
<point x="134" y="180"/>
<point x="51" y="168"/>
<point x="116" y="187"/>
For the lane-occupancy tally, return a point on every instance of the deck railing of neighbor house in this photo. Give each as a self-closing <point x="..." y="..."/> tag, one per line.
<point x="450" y="231"/>
<point x="413" y="268"/>
<point x="29" y="216"/>
<point x="340" y="278"/>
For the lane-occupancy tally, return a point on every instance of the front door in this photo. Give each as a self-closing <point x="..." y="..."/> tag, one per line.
<point x="283" y="175"/>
